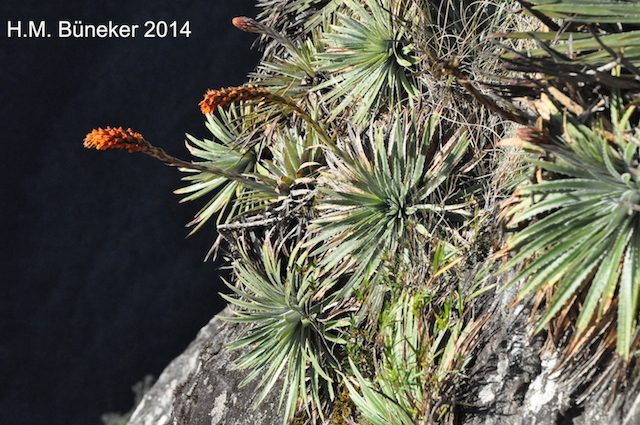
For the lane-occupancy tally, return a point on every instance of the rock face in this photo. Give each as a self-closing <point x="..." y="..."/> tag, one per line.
<point x="201" y="387"/>
<point x="512" y="381"/>
<point x="515" y="381"/>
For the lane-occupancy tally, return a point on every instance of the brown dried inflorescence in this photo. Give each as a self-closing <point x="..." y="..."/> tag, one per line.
<point x="248" y="24"/>
<point x="534" y="136"/>
<point x="215" y="98"/>
<point x="116" y="138"/>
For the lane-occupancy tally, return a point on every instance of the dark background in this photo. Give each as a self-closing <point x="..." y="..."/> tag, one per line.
<point x="99" y="285"/>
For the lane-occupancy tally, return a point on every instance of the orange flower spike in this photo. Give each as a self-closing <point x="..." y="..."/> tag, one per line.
<point x="116" y="138"/>
<point x="215" y="98"/>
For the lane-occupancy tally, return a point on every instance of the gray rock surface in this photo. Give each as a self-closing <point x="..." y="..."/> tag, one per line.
<point x="514" y="381"/>
<point x="201" y="387"/>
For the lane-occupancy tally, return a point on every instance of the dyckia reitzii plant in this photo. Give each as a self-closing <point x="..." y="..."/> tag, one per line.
<point x="587" y="245"/>
<point x="390" y="195"/>
<point x="370" y="58"/>
<point x="298" y="319"/>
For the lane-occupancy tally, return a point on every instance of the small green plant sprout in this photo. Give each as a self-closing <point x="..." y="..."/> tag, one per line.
<point x="396" y="396"/>
<point x="297" y="320"/>
<point x="425" y="340"/>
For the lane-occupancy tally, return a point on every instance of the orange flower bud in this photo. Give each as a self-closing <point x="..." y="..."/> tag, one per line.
<point x="116" y="138"/>
<point x="248" y="24"/>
